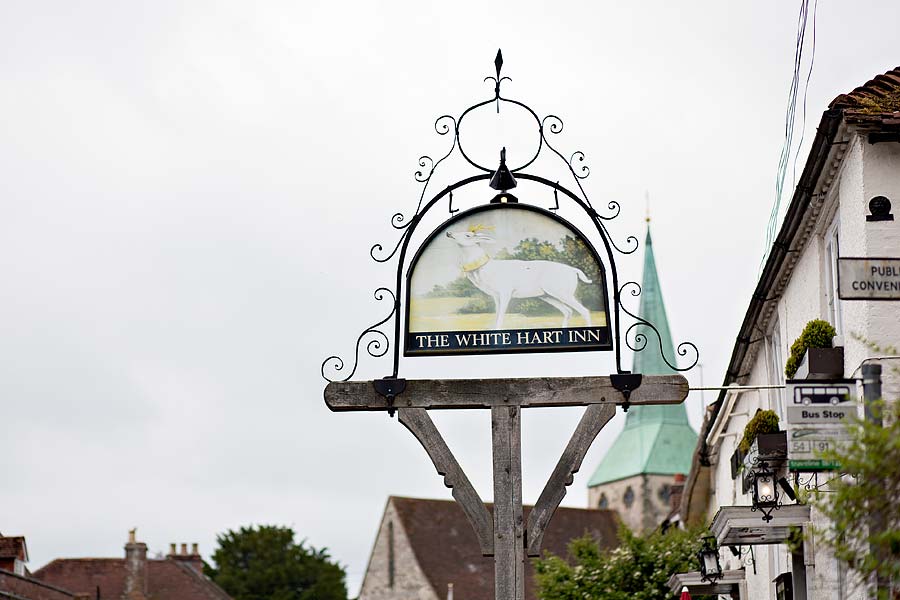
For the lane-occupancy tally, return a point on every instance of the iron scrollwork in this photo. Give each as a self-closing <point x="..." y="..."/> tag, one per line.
<point x="377" y="346"/>
<point x="812" y="483"/>
<point x="639" y="341"/>
<point x="635" y="335"/>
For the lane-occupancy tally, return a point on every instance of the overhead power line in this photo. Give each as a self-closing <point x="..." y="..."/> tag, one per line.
<point x="790" y="117"/>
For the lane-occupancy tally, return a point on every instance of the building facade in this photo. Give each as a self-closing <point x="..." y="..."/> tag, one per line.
<point x="855" y="159"/>
<point x="636" y="476"/>
<point x="426" y="550"/>
<point x="178" y="576"/>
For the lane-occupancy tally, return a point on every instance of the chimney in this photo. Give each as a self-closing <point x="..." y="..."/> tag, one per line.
<point x="135" y="568"/>
<point x="677" y="491"/>
<point x="193" y="560"/>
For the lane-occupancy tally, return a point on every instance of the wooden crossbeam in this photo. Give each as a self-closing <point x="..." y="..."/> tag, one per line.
<point x="489" y="393"/>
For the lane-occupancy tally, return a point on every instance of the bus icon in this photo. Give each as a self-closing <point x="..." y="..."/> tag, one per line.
<point x="821" y="394"/>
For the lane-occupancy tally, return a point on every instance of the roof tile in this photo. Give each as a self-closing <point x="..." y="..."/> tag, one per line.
<point x="166" y="579"/>
<point x="447" y="550"/>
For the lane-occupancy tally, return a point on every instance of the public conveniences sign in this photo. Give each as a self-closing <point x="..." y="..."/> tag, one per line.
<point x="869" y="278"/>
<point x="506" y="278"/>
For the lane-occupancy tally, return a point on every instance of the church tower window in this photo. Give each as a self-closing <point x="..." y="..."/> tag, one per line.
<point x="390" y="554"/>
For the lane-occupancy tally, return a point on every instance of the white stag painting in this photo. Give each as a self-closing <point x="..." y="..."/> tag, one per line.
<point x="506" y="269"/>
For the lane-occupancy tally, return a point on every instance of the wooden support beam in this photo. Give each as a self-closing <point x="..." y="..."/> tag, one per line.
<point x="419" y="423"/>
<point x="595" y="417"/>
<point x="488" y="393"/>
<point x="509" y="528"/>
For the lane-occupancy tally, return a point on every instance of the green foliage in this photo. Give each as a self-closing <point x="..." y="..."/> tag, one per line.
<point x="637" y="570"/>
<point x="864" y="528"/>
<point x="816" y="334"/>
<point x="764" y="421"/>
<point x="264" y="563"/>
<point x="794" y="541"/>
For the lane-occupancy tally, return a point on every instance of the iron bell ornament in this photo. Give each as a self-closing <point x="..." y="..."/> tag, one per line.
<point x="503" y="179"/>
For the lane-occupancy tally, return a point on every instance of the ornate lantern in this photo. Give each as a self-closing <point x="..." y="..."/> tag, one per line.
<point x="765" y="491"/>
<point x="710" y="568"/>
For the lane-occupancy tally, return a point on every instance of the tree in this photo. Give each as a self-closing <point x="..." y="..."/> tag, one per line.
<point x="638" y="569"/>
<point x="264" y="563"/>
<point x="861" y="504"/>
<point x="864" y="521"/>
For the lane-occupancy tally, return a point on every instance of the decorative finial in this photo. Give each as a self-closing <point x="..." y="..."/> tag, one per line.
<point x="647" y="199"/>
<point x="498" y="63"/>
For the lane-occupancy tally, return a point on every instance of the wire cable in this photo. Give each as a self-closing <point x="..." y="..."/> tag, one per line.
<point x="790" y="119"/>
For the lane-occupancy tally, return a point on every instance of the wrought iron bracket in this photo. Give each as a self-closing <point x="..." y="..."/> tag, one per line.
<point x="377" y="341"/>
<point x="626" y="383"/>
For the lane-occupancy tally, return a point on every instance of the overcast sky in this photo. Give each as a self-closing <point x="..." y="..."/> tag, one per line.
<point x="189" y="193"/>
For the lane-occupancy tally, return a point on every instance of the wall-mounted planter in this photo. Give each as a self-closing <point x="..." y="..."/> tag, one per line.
<point x="821" y="363"/>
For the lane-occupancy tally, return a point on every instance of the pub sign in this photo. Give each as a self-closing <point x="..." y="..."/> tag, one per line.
<point x="506" y="278"/>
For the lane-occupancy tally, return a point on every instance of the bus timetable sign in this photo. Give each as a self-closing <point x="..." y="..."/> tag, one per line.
<point x="506" y="278"/>
<point x="817" y="417"/>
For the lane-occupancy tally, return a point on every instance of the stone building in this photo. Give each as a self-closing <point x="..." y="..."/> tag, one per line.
<point x="637" y="474"/>
<point x="426" y="550"/>
<point x="841" y="208"/>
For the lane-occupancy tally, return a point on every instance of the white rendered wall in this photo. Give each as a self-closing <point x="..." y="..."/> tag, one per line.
<point x="866" y="171"/>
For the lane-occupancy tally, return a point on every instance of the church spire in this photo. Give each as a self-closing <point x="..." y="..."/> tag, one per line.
<point x="649" y="361"/>
<point x="657" y="439"/>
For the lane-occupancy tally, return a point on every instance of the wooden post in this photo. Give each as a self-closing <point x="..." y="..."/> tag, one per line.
<point x="506" y="398"/>
<point x="509" y="526"/>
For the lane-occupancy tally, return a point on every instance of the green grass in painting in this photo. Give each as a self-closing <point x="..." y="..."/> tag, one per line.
<point x="439" y="314"/>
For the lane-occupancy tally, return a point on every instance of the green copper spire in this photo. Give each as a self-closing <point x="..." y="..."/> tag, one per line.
<point x="656" y="439"/>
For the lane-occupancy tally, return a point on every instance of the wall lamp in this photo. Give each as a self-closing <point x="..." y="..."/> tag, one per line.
<point x="710" y="568"/>
<point x="765" y="491"/>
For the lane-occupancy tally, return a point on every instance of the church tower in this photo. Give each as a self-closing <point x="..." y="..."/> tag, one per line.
<point x="636" y="475"/>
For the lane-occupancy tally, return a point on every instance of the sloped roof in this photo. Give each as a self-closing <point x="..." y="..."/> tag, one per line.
<point x="447" y="550"/>
<point x="19" y="587"/>
<point x="875" y="102"/>
<point x="166" y="579"/>
<point x="656" y="439"/>
<point x="13" y="547"/>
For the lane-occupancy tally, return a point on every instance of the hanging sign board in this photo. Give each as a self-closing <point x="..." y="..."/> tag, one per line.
<point x="817" y="416"/>
<point x="869" y="278"/>
<point x="506" y="278"/>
